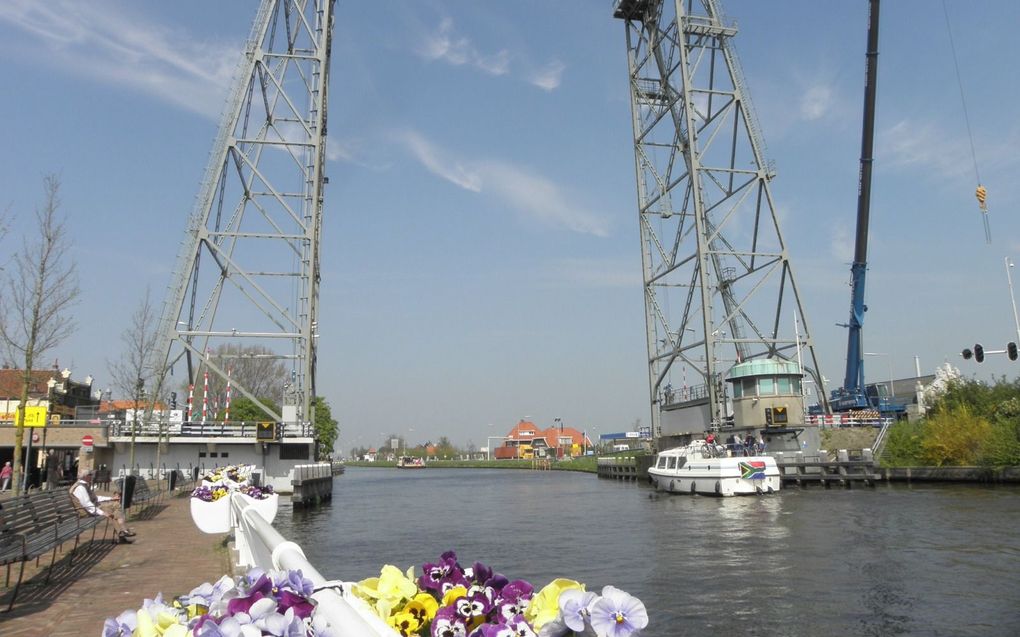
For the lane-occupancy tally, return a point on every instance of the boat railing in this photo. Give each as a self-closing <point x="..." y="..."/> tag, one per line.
<point x="259" y="544"/>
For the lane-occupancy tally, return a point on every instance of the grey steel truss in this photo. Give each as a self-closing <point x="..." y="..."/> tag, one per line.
<point x="246" y="281"/>
<point x="719" y="288"/>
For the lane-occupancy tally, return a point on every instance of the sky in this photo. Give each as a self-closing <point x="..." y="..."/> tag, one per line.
<point x="480" y="252"/>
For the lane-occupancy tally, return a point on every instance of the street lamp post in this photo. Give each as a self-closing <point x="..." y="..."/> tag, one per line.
<point x="1012" y="299"/>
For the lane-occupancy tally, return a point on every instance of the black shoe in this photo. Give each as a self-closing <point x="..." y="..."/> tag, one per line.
<point x="129" y="533"/>
<point x="124" y="539"/>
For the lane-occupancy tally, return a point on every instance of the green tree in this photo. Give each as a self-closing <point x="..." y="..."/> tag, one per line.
<point x="326" y="429"/>
<point x="243" y="409"/>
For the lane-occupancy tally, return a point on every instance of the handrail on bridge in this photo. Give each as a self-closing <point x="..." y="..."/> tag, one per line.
<point x="259" y="544"/>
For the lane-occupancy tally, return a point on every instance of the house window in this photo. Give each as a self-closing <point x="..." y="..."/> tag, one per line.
<point x="566" y="441"/>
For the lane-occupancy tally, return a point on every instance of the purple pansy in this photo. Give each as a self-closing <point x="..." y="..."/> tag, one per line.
<point x="618" y="614"/>
<point x="515" y="627"/>
<point x="121" y="626"/>
<point x="574" y="607"/>
<point x="447" y="623"/>
<point x="443" y="575"/>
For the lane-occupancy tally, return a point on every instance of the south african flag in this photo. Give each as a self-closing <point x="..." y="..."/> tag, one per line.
<point x="752" y="470"/>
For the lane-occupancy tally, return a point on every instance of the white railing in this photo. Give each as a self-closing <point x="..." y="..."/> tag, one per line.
<point x="259" y="544"/>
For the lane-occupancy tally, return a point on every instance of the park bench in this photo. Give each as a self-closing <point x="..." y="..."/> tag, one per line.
<point x="141" y="496"/>
<point x="37" y="523"/>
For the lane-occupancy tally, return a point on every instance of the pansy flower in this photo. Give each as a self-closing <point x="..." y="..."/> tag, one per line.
<point x="545" y="606"/>
<point x="423" y="607"/>
<point x="403" y="622"/>
<point x="515" y="627"/>
<point x="448" y="624"/>
<point x="473" y="608"/>
<point x="443" y="575"/>
<point x="618" y="614"/>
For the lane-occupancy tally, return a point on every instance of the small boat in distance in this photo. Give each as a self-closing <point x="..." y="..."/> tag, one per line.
<point x="409" y="462"/>
<point x="710" y="470"/>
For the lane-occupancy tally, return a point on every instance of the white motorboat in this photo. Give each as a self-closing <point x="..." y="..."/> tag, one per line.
<point x="710" y="470"/>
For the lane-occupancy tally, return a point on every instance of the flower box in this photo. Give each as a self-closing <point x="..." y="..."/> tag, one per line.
<point x="265" y="507"/>
<point x="211" y="517"/>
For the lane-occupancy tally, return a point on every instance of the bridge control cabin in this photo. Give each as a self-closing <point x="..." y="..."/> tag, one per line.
<point x="768" y="400"/>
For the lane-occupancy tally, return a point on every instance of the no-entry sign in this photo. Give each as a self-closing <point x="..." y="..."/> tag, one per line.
<point x="86" y="440"/>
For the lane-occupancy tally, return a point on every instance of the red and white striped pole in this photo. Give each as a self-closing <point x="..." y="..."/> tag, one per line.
<point x="205" y="398"/>
<point x="191" y="400"/>
<point x="226" y="414"/>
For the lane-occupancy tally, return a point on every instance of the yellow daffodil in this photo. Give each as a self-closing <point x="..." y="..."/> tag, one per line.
<point x="404" y="623"/>
<point x="452" y="595"/>
<point x="545" y="606"/>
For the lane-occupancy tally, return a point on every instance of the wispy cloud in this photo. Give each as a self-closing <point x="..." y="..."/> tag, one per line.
<point x="438" y="162"/>
<point x="549" y="77"/>
<point x="841" y="244"/>
<point x="102" y="43"/>
<point x="540" y="199"/>
<point x="816" y="102"/>
<point x="446" y="45"/>
<point x="535" y="196"/>
<point x="921" y="144"/>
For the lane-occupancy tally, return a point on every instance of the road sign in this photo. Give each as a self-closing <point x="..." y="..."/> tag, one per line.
<point x="86" y="440"/>
<point x="265" y="432"/>
<point x="34" y="416"/>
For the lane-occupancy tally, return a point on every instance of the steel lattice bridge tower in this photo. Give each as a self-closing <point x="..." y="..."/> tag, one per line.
<point x="247" y="273"/>
<point x="719" y="288"/>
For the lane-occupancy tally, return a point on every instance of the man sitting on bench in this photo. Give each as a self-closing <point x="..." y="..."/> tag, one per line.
<point x="100" y="505"/>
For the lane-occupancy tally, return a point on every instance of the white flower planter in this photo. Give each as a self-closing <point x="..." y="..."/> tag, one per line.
<point x="211" y="517"/>
<point x="265" y="508"/>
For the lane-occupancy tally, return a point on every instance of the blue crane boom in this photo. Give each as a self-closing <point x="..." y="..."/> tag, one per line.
<point x="852" y="395"/>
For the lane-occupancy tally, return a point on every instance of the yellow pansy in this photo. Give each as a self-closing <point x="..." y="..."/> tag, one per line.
<point x="404" y="623"/>
<point x="389" y="590"/>
<point x="545" y="606"/>
<point x="423" y="606"/>
<point x="453" y="594"/>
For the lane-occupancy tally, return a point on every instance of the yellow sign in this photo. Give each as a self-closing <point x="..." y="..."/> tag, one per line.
<point x="34" y="416"/>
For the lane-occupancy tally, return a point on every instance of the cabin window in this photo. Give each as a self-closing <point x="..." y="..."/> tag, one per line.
<point x="738" y="389"/>
<point x="766" y="386"/>
<point x="672" y="463"/>
<point x="783" y="385"/>
<point x="750" y="387"/>
<point x="795" y="384"/>
<point x="662" y="462"/>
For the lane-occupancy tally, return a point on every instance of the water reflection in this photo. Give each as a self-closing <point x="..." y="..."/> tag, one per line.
<point x="888" y="561"/>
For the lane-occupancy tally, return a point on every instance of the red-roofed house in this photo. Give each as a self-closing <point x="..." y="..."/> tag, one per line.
<point x="527" y="441"/>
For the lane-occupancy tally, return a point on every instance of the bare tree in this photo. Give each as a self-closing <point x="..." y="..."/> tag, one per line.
<point x="133" y="373"/>
<point x="41" y="286"/>
<point x="253" y="367"/>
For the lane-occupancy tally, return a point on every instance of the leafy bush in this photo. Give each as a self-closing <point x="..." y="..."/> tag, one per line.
<point x="903" y="445"/>
<point x="953" y="437"/>
<point x="1002" y="446"/>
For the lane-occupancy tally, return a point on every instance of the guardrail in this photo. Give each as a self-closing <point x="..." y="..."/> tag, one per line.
<point x="259" y="544"/>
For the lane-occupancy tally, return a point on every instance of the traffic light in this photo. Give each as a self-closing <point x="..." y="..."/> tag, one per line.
<point x="967" y="354"/>
<point x="173" y="400"/>
<point x="979" y="353"/>
<point x="1011" y="350"/>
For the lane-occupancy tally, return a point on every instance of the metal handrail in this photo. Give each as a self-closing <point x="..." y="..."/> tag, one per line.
<point x="259" y="544"/>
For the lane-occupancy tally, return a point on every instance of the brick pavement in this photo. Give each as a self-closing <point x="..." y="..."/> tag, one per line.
<point x="169" y="555"/>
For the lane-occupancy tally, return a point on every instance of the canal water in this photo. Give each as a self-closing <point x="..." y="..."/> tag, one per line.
<point x="895" y="560"/>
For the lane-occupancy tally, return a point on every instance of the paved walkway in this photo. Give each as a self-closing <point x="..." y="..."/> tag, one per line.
<point x="169" y="555"/>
